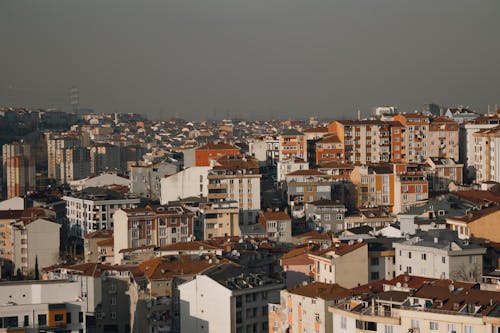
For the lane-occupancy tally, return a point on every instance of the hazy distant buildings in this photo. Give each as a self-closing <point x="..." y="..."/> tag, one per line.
<point x="145" y="180"/>
<point x="104" y="157"/>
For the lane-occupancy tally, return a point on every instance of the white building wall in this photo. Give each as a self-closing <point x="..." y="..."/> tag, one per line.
<point x="205" y="306"/>
<point x="191" y="182"/>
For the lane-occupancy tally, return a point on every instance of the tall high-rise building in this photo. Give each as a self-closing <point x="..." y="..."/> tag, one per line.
<point x="18" y="169"/>
<point x="20" y="175"/>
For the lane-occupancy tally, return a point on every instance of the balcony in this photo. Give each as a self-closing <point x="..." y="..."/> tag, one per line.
<point x="217" y="186"/>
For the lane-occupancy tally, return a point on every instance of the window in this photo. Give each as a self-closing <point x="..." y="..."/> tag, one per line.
<point x="415" y="323"/>
<point x="42" y="319"/>
<point x="388" y="329"/>
<point x="343" y="323"/>
<point x="374" y="261"/>
<point x="113" y="315"/>
<point x="80" y="317"/>
<point x="59" y="317"/>
<point x="113" y="300"/>
<point x="433" y="326"/>
<point x="468" y="329"/>
<point x="443" y="260"/>
<point x="424" y="256"/>
<point x="452" y="328"/>
<point x="374" y="276"/>
<point x="409" y="255"/>
<point x="26" y="320"/>
<point x="68" y="317"/>
<point x="408" y="269"/>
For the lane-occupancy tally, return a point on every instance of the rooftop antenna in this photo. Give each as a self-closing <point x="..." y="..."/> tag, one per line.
<point x="359" y="114"/>
<point x="74" y="98"/>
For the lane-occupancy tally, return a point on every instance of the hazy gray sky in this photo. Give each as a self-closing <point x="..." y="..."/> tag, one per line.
<point x="284" y="58"/>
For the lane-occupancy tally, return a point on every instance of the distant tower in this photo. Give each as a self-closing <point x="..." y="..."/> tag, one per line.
<point x="74" y="98"/>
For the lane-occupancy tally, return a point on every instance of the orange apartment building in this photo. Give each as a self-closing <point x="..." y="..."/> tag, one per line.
<point x="397" y="141"/>
<point x="214" y="151"/>
<point x="292" y="143"/>
<point x="443" y="138"/>
<point x="415" y="137"/>
<point x="374" y="184"/>
<point x="329" y="148"/>
<point x="364" y="141"/>
<point x="410" y="188"/>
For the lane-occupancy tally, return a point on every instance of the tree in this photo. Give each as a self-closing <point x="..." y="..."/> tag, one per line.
<point x="37" y="273"/>
<point x="19" y="275"/>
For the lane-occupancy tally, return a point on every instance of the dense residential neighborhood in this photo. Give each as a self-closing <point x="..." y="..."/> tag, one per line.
<point x="117" y="223"/>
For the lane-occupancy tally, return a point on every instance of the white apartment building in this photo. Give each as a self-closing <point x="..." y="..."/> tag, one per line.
<point x="487" y="154"/>
<point x="190" y="182"/>
<point x="226" y="300"/>
<point x="468" y="142"/>
<point x="42" y="306"/>
<point x="439" y="254"/>
<point x="56" y="154"/>
<point x="92" y="209"/>
<point x="285" y="167"/>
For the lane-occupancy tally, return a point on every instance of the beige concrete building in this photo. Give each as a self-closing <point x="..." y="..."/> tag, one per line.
<point x="278" y="226"/>
<point x="477" y="223"/>
<point x="91" y="244"/>
<point x="237" y="179"/>
<point x="36" y="240"/>
<point x="487" y="154"/>
<point x="344" y="264"/>
<point x="219" y="219"/>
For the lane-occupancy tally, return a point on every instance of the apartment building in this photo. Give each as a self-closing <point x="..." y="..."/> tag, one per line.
<point x="7" y="217"/>
<point x="219" y="219"/>
<point x="439" y="254"/>
<point x="285" y="167"/>
<point x="442" y="172"/>
<point x="468" y="140"/>
<point x="306" y="186"/>
<point x="76" y="164"/>
<point x="190" y="182"/>
<point x="241" y="298"/>
<point x="343" y="263"/>
<point x="375" y="185"/>
<point x="92" y="209"/>
<point x="297" y="266"/>
<point x="415" y="137"/>
<point x="18" y="167"/>
<point x="481" y="223"/>
<point x="292" y="143"/>
<point x="487" y="154"/>
<point x="91" y="244"/>
<point x="145" y="180"/>
<point x="397" y="141"/>
<point x="19" y="176"/>
<point x="42" y="306"/>
<point x="277" y="225"/>
<point x="329" y="148"/>
<point x="364" y="141"/>
<point x="56" y="146"/>
<point x="325" y="215"/>
<point x="443" y="138"/>
<point x="104" y="158"/>
<point x="305" y="308"/>
<point x="162" y="225"/>
<point x="237" y="179"/>
<point x="214" y="151"/>
<point x="410" y="188"/>
<point x="429" y="307"/>
<point x="35" y="241"/>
